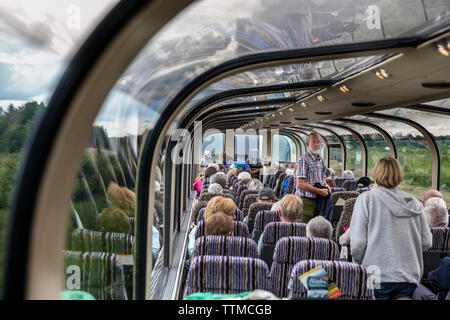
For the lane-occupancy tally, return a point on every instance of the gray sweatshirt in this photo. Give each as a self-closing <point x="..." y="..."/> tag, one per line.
<point x="389" y="230"/>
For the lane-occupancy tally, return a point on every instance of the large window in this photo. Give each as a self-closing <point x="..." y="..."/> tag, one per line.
<point x="283" y="149"/>
<point x="212" y="147"/>
<point x="248" y="147"/>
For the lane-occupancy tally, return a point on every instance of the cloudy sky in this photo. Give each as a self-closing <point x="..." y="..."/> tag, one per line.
<point x="37" y="39"/>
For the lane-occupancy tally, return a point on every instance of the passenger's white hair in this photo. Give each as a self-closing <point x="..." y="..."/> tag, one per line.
<point x="255" y="185"/>
<point x="319" y="227"/>
<point x="348" y="174"/>
<point x="157" y="186"/>
<point x="244" y="175"/>
<point x="289" y="172"/>
<point x="436" y="212"/>
<point x="215" y="188"/>
<point x="276" y="206"/>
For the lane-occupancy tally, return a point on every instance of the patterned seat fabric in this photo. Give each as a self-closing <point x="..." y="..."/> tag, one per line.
<point x="441" y="240"/>
<point x="279" y="183"/>
<point x="263" y="218"/>
<point x="87" y="240"/>
<point x="226" y="275"/>
<point x="102" y="274"/>
<point x="248" y="201"/>
<point x="352" y="279"/>
<point x="229" y="192"/>
<point x="350" y="185"/>
<point x="291" y="186"/>
<point x="226" y="246"/>
<point x="254" y="209"/>
<point x="343" y="195"/>
<point x="340" y="182"/>
<point x="273" y="232"/>
<point x="205" y="184"/>
<point x="243" y="195"/>
<point x="346" y="217"/>
<point x="240" y="229"/>
<point x="337" y="189"/>
<point x="289" y="251"/>
<point x="361" y="190"/>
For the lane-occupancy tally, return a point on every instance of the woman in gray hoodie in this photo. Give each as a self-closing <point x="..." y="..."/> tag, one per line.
<point x="389" y="233"/>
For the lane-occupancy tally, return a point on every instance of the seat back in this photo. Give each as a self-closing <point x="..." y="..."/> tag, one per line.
<point x="338" y="206"/>
<point x="95" y="241"/>
<point x="243" y="195"/>
<point x="291" y="186"/>
<point x="439" y="249"/>
<point x="340" y="182"/>
<point x="273" y="232"/>
<point x="101" y="274"/>
<point x="225" y="246"/>
<point x="205" y="184"/>
<point x="361" y="190"/>
<point x="279" y="183"/>
<point x="289" y="251"/>
<point x="345" y="218"/>
<point x="240" y="188"/>
<point x="263" y="218"/>
<point x="248" y="201"/>
<point x="132" y="223"/>
<point x="351" y="278"/>
<point x="240" y="229"/>
<point x="225" y="275"/>
<point x="272" y="181"/>
<point x="237" y="213"/>
<point x="350" y="185"/>
<point x="254" y="209"/>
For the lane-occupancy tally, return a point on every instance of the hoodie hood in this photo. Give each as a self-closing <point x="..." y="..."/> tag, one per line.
<point x="400" y="203"/>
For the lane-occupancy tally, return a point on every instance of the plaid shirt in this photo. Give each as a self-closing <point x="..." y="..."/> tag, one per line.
<point x="312" y="169"/>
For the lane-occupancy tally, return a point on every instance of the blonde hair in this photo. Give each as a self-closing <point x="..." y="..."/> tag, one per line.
<point x="231" y="172"/>
<point x="219" y="204"/>
<point x="122" y="198"/>
<point x="387" y="173"/>
<point x="219" y="225"/>
<point x="291" y="207"/>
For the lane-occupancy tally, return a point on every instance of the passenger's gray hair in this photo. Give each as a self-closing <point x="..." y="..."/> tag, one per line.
<point x="215" y="165"/>
<point x="220" y="178"/>
<point x="255" y="185"/>
<point x="276" y="206"/>
<point x="319" y="227"/>
<point x="436" y="212"/>
<point x="215" y="188"/>
<point x="158" y="174"/>
<point x="348" y="174"/>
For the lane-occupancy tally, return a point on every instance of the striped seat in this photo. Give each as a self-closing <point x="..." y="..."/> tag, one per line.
<point x="205" y="184"/>
<point x="273" y="232"/>
<point x="291" y="186"/>
<point x="262" y="219"/>
<point x="240" y="188"/>
<point x="439" y="249"/>
<point x="253" y="210"/>
<point x="101" y="274"/>
<point x="279" y="183"/>
<point x="225" y="246"/>
<point x="95" y="241"/>
<point x="340" y="182"/>
<point x="349" y="185"/>
<point x="240" y="229"/>
<point x="345" y="218"/>
<point x="289" y="251"/>
<point x="248" y="201"/>
<point x="243" y="195"/>
<point x="132" y="223"/>
<point x="272" y="181"/>
<point x="352" y="279"/>
<point x="267" y="180"/>
<point x="226" y="275"/>
<point x="337" y="189"/>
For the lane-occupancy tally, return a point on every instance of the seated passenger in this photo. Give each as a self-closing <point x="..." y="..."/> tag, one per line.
<point x="440" y="278"/>
<point x="436" y="212"/>
<point x="330" y="174"/>
<point x="291" y="209"/>
<point x="215" y="188"/>
<point x="348" y="174"/>
<point x="319" y="227"/>
<point x="389" y="230"/>
<point x="197" y="186"/>
<point x="267" y="195"/>
<point x="219" y="225"/>
<point x="214" y="206"/>
<point x="122" y="198"/>
<point x="206" y="180"/>
<point x="220" y="178"/>
<point x="113" y="219"/>
<point x="431" y="194"/>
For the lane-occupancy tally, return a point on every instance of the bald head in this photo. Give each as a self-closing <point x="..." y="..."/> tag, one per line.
<point x="431" y="194"/>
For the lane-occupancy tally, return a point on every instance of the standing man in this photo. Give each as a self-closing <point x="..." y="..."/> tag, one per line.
<point x="309" y="170"/>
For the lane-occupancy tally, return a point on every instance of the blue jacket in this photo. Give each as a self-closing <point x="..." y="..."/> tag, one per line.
<point x="285" y="185"/>
<point x="440" y="278"/>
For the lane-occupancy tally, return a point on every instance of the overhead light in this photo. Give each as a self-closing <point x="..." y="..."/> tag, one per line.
<point x="321" y="98"/>
<point x="291" y="110"/>
<point x="281" y="113"/>
<point x="273" y="115"/>
<point x="442" y="50"/>
<point x="379" y="75"/>
<point x="448" y="45"/>
<point x="344" y="89"/>
<point x="304" y="105"/>
<point x="384" y="73"/>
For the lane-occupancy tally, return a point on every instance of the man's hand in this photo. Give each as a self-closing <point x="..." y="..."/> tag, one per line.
<point x="323" y="192"/>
